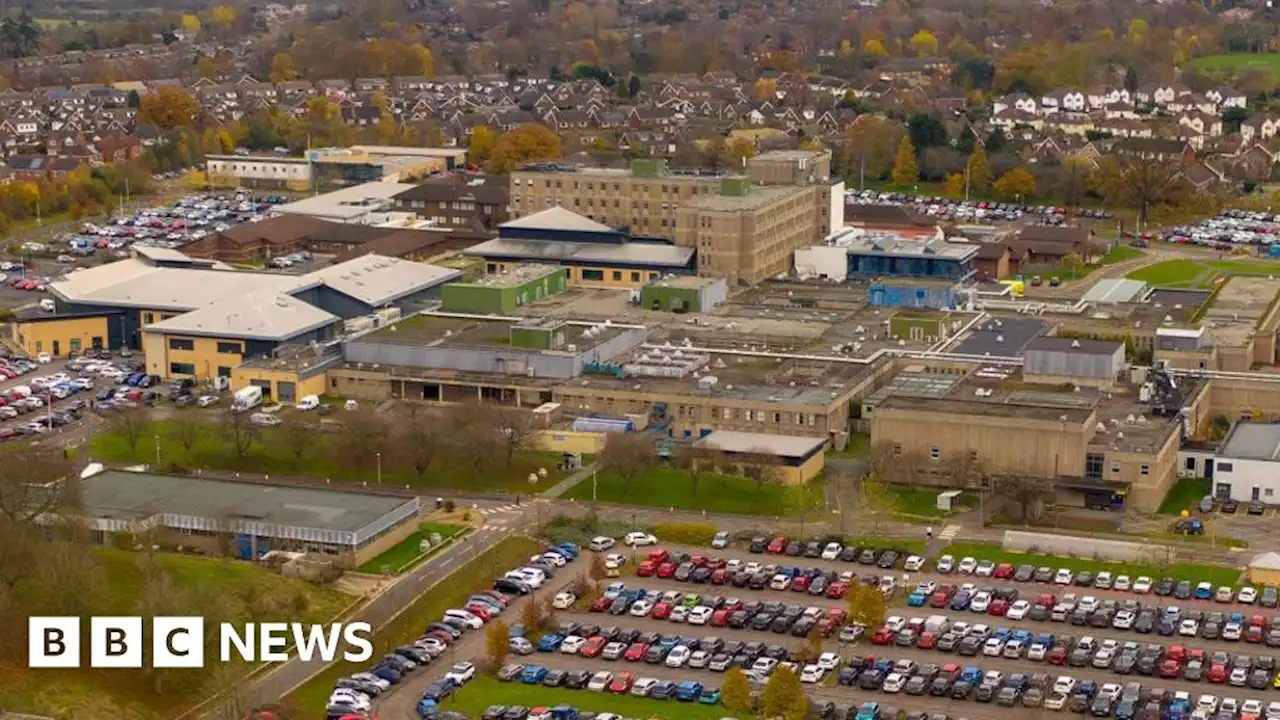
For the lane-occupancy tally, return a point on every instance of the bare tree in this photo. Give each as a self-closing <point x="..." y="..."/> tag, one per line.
<point x="363" y="439"/>
<point x="515" y="430"/>
<point x="1143" y="182"/>
<point x="696" y="462"/>
<point x="627" y="455"/>
<point x="474" y="432"/>
<point x="1027" y="494"/>
<point x="300" y="436"/>
<point x="419" y="439"/>
<point x="240" y="433"/>
<point x="187" y="429"/>
<point x="130" y="423"/>
<point x="758" y="464"/>
<point x="38" y="490"/>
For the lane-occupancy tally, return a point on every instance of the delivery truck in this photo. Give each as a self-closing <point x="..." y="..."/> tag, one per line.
<point x="247" y="399"/>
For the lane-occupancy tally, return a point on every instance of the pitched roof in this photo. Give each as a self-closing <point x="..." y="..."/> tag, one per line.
<point x="556" y="218"/>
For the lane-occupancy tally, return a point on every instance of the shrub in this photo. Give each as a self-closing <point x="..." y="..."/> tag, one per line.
<point x="685" y="533"/>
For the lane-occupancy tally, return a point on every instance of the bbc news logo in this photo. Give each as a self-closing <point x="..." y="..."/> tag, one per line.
<point x="179" y="642"/>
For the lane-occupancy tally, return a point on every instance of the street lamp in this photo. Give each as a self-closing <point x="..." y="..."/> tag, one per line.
<point x="379" y="458"/>
<point x="157" y="437"/>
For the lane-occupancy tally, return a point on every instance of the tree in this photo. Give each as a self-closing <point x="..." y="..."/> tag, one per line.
<point x="38" y="482"/>
<point x="419" y="440"/>
<point x="926" y="131"/>
<point x="633" y="86"/>
<point x="1072" y="262"/>
<point x="627" y="455"/>
<point x="497" y="643"/>
<point x="282" y="68"/>
<point x="1142" y="182"/>
<point x="1073" y="179"/>
<point x="867" y="606"/>
<point x="974" y="73"/>
<point x="696" y="462"/>
<point x="597" y="571"/>
<point x="481" y="146"/>
<point x="924" y="43"/>
<point x="1016" y="183"/>
<point x="783" y="696"/>
<point x="528" y="143"/>
<point x="1026" y="493"/>
<point x="424" y="61"/>
<point x="364" y="437"/>
<point x="130" y="423"/>
<point x="187" y="429"/>
<point x="473" y="435"/>
<point x="514" y="428"/>
<point x="191" y="24"/>
<point x="239" y="433"/>
<point x="955" y="185"/>
<point x="1232" y="118"/>
<point x="299" y="437"/>
<point x="766" y="89"/>
<point x="224" y="15"/>
<point x="874" y="48"/>
<point x="735" y="693"/>
<point x="168" y="107"/>
<point x="870" y="141"/>
<point x="1130" y="79"/>
<point x="978" y="169"/>
<point x="531" y="619"/>
<point x="905" y="169"/>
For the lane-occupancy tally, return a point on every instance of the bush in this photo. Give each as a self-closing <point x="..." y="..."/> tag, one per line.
<point x="685" y="533"/>
<point x="563" y="528"/>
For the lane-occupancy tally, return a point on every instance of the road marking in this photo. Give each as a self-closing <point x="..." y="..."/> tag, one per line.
<point x="950" y="532"/>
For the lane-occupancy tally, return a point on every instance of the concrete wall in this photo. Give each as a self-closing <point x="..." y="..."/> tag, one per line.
<point x="1245" y="475"/>
<point x="1072" y="546"/>
<point x="1065" y="363"/>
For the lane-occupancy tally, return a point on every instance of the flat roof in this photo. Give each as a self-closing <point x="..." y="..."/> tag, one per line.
<point x="347" y="203"/>
<point x="120" y="495"/>
<point x="514" y="276"/>
<point x="1002" y="337"/>
<point x="256" y="316"/>
<point x="377" y="279"/>
<point x="693" y="282"/>
<point x="757" y="197"/>
<point x="961" y="407"/>
<point x="788" y="446"/>
<point x="1252" y="441"/>
<point x="444" y="330"/>
<point x="139" y="284"/>
<point x="890" y="244"/>
<point x="1115" y="291"/>
<point x="563" y="251"/>
<point x="1073" y="345"/>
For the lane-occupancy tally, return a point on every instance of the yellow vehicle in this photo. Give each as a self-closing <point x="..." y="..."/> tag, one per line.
<point x="1016" y="287"/>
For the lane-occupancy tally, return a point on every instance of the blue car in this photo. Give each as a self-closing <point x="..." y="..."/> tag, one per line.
<point x="571" y="548"/>
<point x="550" y="642"/>
<point x="709" y="696"/>
<point x="916" y="599"/>
<point x="869" y="711"/>
<point x="1204" y="591"/>
<point x="669" y="642"/>
<point x="533" y="675"/>
<point x="1022" y="635"/>
<point x="388" y="673"/>
<point x="960" y="601"/>
<point x="428" y="709"/>
<point x="688" y="691"/>
<point x="971" y="675"/>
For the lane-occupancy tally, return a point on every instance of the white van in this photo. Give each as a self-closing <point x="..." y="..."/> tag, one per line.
<point x="308" y="402"/>
<point x="264" y="419"/>
<point x="46" y="304"/>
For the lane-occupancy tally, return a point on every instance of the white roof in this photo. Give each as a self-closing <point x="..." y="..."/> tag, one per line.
<point x="1114" y="291"/>
<point x="778" y="445"/>
<point x="257" y="316"/>
<point x="138" y="284"/>
<point x="347" y="203"/>
<point x="631" y="253"/>
<point x="377" y="279"/>
<point x="1266" y="561"/>
<point x="165" y="254"/>
<point x="556" y="218"/>
<point x="1180" y="332"/>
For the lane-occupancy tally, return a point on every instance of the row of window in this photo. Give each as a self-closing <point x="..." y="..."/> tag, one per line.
<point x="224" y="348"/>
<point x="190" y="369"/>
<point x="1093" y="463"/>
<point x="598" y="275"/>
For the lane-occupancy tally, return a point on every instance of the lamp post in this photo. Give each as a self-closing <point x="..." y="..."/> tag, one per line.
<point x="379" y="459"/>
<point x="157" y="437"/>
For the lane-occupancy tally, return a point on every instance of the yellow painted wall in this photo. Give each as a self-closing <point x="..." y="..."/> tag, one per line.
<point x="242" y="377"/>
<point x="569" y="441"/>
<point x="203" y="355"/>
<point x="38" y="337"/>
<point x="624" y="275"/>
<point x="1263" y="576"/>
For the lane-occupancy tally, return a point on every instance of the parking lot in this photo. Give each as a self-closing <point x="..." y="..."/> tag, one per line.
<point x="972" y="211"/>
<point x="1228" y="229"/>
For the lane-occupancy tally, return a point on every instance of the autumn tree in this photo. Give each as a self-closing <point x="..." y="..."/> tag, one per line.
<point x="874" y="48"/>
<point x="224" y="15"/>
<point x="1017" y="183"/>
<point x="924" y="43"/>
<point x="1142" y="182"/>
<point x="168" y="107"/>
<point x="905" y="169"/>
<point x="869" y="143"/>
<point x="497" y="644"/>
<point x="783" y="696"/>
<point x="1072" y="262"/>
<point x="528" y="143"/>
<point x="735" y="694"/>
<point x="627" y="455"/>
<point x="867" y="606"/>
<point x="191" y="24"/>
<point x="766" y="89"/>
<point x="481" y="145"/>
<point x="282" y="68"/>
<point x="978" y="169"/>
<point x="424" y="61"/>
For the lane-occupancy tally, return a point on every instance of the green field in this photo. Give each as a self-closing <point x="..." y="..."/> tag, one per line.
<point x="913" y="501"/>
<point x="482" y="692"/>
<point x="1185" y="273"/>
<point x="271" y="455"/>
<point x="1184" y="495"/>
<point x="124" y="694"/>
<point x="402" y="555"/>
<point x="1215" y="574"/>
<point x="1118" y="253"/>
<point x="309" y="700"/>
<point x="1237" y="63"/>
<point x="667" y="487"/>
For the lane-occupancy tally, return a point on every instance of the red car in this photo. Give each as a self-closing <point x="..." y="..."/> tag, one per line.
<point x="1176" y="652"/>
<point x="826" y="626"/>
<point x="1253" y="634"/>
<point x="1258" y="621"/>
<point x="799" y="583"/>
<point x="719" y="576"/>
<point x="939" y="599"/>
<point x="646" y="568"/>
<point x="835" y="590"/>
<point x="1046" y="599"/>
<point x="951" y="670"/>
<point x="698" y="560"/>
<point x="778" y="545"/>
<point x="720" y="617"/>
<point x="635" y="653"/>
<point x="622" y="683"/>
<point x="661" y="611"/>
<point x="1058" y="655"/>
<point x="1004" y="571"/>
<point x="593" y="648"/>
<point x="666" y="569"/>
<point x="480" y="612"/>
<point x="1217" y="673"/>
<point x="600" y="604"/>
<point x="883" y="636"/>
<point x="657" y="557"/>
<point x="1170" y="669"/>
<point x="927" y="640"/>
<point x="998" y="607"/>
<point x="732" y="605"/>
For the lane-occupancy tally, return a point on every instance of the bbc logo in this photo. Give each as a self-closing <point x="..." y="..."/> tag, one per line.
<point x="115" y="642"/>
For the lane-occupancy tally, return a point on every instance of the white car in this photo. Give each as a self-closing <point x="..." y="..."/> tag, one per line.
<point x="642" y="686"/>
<point x="1247" y="595"/>
<point x="1122" y="583"/>
<point x="553" y="559"/>
<point x="946" y="564"/>
<point x="1037" y="651"/>
<point x="564" y="601"/>
<point x="461" y="672"/>
<point x="993" y="647"/>
<point x="530" y="579"/>
<point x="764" y="665"/>
<point x="468" y="619"/>
<point x="985" y="568"/>
<point x="1088" y="603"/>
<point x="980" y="602"/>
<point x="678" y="656"/>
<point x="206" y="400"/>
<point x="1063" y="577"/>
<point x="372" y="679"/>
<point x="356" y="700"/>
<point x="601" y="543"/>
<point x="895" y="623"/>
<point x="1142" y="585"/>
<point x="679" y="614"/>
<point x="1102" y="580"/>
<point x="700" y="615"/>
<point x="1273" y="710"/>
<point x="1124" y="620"/>
<point x="641" y="608"/>
<point x="831" y="551"/>
<point x="967" y="565"/>
<point x="1055" y="701"/>
<point x="828" y="661"/>
<point x="914" y="563"/>
<point x="1189" y="628"/>
<point x="780" y="582"/>
<point x="814" y="674"/>
<point x="572" y="645"/>
<point x="1018" y="610"/>
<point x="894" y="683"/>
<point x="634" y="539"/>
<point x="615" y="559"/>
<point x="308" y="402"/>
<point x="44" y="358"/>
<point x="1064" y="684"/>
<point x="600" y="681"/>
<point x="699" y="659"/>
<point x="1232" y="631"/>
<point x="1251" y="707"/>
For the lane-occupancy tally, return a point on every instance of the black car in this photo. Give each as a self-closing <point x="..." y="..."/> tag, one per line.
<point x="780" y="624"/>
<point x="849" y="554"/>
<point x="1269" y="597"/>
<point x="701" y="574"/>
<point x="1164" y="588"/>
<point x="619" y="606"/>
<point x="1230" y="506"/>
<point x="1182" y="591"/>
<point x="1044" y="575"/>
<point x="1084" y="578"/>
<point x="554" y="678"/>
<point x="1257" y="508"/>
<point x="684" y="572"/>
<point x="516" y="712"/>
<point x="847" y="676"/>
<point x="795" y="548"/>
<point x="961" y="691"/>
<point x="887" y="559"/>
<point x="813" y="550"/>
<point x="577" y="679"/>
<point x="655" y="654"/>
<point x="940" y="686"/>
<point x="663" y="690"/>
<point x="867" y="557"/>
<point x="871" y="679"/>
<point x="494" y="712"/>
<point x="1024" y="574"/>
<point x="986" y="692"/>
<point x="758" y="545"/>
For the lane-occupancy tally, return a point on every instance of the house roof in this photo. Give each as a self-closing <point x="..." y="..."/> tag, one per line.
<point x="1266" y="561"/>
<point x="556" y="218"/>
<point x="255" y="316"/>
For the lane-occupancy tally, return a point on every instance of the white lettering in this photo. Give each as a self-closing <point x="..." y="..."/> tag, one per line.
<point x="244" y="644"/>
<point x="273" y="639"/>
<point x="306" y="640"/>
<point x="358" y="635"/>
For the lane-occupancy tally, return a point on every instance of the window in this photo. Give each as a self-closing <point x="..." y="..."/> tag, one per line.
<point x="1224" y="467"/>
<point x="39" y="346"/>
<point x="1268" y="492"/>
<point x="1144" y="469"/>
<point x="148" y="318"/>
<point x="617" y="276"/>
<point x="181" y="344"/>
<point x="1115" y="466"/>
<point x="973" y="454"/>
<point x="1093" y="465"/>
<point x="1191" y="463"/>
<point x="897" y="448"/>
<point x="230" y="348"/>
<point x="635" y="277"/>
<point x="935" y="452"/>
<point x="593" y="274"/>
<point x="224" y="371"/>
<point x="75" y="345"/>
<point x="182" y="369"/>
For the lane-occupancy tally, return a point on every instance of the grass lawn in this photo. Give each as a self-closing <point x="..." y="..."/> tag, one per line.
<point x="478" y="574"/>
<point x="1235" y="63"/>
<point x="122" y="693"/>
<point x="921" y="502"/>
<point x="1118" y="253"/>
<point x="271" y="455"/>
<point x="405" y="554"/>
<point x="859" y="445"/>
<point x="1170" y="273"/>
<point x="1215" y="574"/>
<point x="670" y="488"/>
<point x="1184" y="495"/>
<point x="482" y="692"/>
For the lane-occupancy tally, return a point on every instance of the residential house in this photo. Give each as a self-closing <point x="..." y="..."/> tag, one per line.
<point x="1227" y="97"/>
<point x="1157" y="148"/>
<point x="1016" y="101"/>
<point x="1200" y="123"/>
<point x="1258" y="127"/>
<point x="1064" y="101"/>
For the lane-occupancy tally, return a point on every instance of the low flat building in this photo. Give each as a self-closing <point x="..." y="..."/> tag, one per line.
<point x="854" y="252"/>
<point x="245" y="519"/>
<point x="795" y="458"/>
<point x="504" y="292"/>
<point x="369" y="203"/>
<point x="1247" y="464"/>
<point x="1067" y="360"/>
